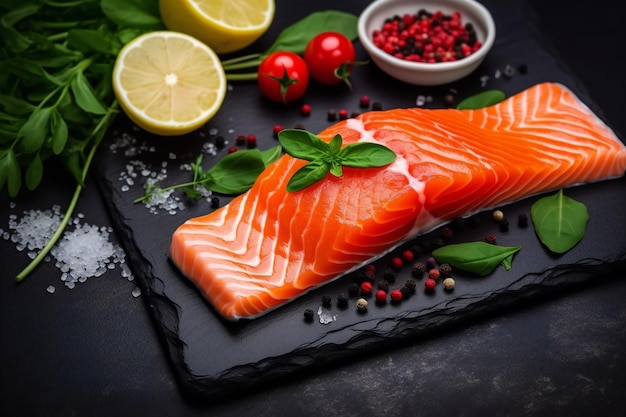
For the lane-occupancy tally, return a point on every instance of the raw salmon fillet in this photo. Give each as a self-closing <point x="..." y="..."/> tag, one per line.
<point x="269" y="246"/>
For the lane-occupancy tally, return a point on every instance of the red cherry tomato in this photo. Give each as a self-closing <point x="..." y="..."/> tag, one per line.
<point x="283" y="76"/>
<point x="328" y="56"/>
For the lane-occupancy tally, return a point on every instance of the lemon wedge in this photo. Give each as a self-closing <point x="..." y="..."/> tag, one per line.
<point x="225" y="25"/>
<point x="168" y="83"/>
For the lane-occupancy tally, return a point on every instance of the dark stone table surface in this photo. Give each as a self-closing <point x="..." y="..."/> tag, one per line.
<point x="94" y="351"/>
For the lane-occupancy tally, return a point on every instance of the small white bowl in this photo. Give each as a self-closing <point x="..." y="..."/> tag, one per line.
<point x="422" y="73"/>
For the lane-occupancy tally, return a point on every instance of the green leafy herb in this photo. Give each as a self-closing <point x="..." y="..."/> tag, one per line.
<point x="480" y="258"/>
<point x="480" y="100"/>
<point x="329" y="157"/>
<point x="233" y="174"/>
<point x="560" y="221"/>
<point x="57" y="100"/>
<point x="294" y="39"/>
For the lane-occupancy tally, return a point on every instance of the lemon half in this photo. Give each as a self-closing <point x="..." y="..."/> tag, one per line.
<point x="168" y="83"/>
<point x="225" y="25"/>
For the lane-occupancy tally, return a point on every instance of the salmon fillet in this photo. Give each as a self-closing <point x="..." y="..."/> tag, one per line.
<point x="269" y="246"/>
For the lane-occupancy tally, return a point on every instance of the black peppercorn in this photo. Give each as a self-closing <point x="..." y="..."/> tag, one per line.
<point x="220" y="142"/>
<point x="389" y="276"/>
<point x="410" y="284"/>
<point x="331" y="115"/>
<point x="522" y="220"/>
<point x="419" y="269"/>
<point x="445" y="270"/>
<point x="377" y="106"/>
<point x="342" y="300"/>
<point x="308" y="314"/>
<point x="383" y="285"/>
<point x="353" y="290"/>
<point x="504" y="225"/>
<point x="448" y="100"/>
<point x="326" y="301"/>
<point x="215" y="202"/>
<point x="406" y="292"/>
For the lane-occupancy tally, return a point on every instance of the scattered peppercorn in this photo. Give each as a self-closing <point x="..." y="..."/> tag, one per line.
<point x="331" y="115"/>
<point x="305" y="110"/>
<point x="434" y="274"/>
<point x="407" y="256"/>
<point x="215" y="202"/>
<point x="430" y="263"/>
<point x="343" y="114"/>
<point x="368" y="275"/>
<point x="383" y="285"/>
<point x="396" y="263"/>
<point x="353" y="289"/>
<point x="376" y="106"/>
<point x="504" y="225"/>
<point x="299" y="126"/>
<point x="418" y="269"/>
<point x="389" y="276"/>
<point x="326" y="301"/>
<point x="410" y="284"/>
<point x="342" y="300"/>
<point x="490" y="238"/>
<point x="276" y="130"/>
<point x="447" y="234"/>
<point x="396" y="296"/>
<point x="354" y="114"/>
<point x="220" y="142"/>
<point x="364" y="102"/>
<point x="497" y="215"/>
<point x="381" y="296"/>
<point x="361" y="304"/>
<point x="371" y="268"/>
<point x="366" y="288"/>
<point x="406" y="292"/>
<point x="445" y="269"/>
<point x="232" y="149"/>
<point x="251" y="141"/>
<point x="240" y="140"/>
<point x="448" y="284"/>
<point x="430" y="284"/>
<point x="448" y="100"/>
<point x="308" y="315"/>
<point x="522" y="220"/>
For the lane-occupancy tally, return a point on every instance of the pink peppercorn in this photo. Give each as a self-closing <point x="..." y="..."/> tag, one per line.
<point x="277" y="129"/>
<point x="407" y="256"/>
<point x="366" y="288"/>
<point x="305" y="110"/>
<point x="381" y="296"/>
<point x="490" y="238"/>
<point x="430" y="284"/>
<point x="434" y="274"/>
<point x="396" y="263"/>
<point x="396" y="295"/>
<point x="343" y="114"/>
<point x="364" y="102"/>
<point x="251" y="140"/>
<point x="232" y="149"/>
<point x="370" y="268"/>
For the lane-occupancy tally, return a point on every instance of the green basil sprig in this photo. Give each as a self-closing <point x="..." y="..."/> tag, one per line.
<point x="560" y="221"/>
<point x="329" y="157"/>
<point x="480" y="258"/>
<point x="235" y="173"/>
<point x="294" y="38"/>
<point x="482" y="99"/>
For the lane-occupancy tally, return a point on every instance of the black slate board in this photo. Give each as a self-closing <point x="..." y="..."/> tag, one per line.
<point x="212" y="357"/>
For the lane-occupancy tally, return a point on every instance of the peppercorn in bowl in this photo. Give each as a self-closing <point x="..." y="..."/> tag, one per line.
<point x="426" y="42"/>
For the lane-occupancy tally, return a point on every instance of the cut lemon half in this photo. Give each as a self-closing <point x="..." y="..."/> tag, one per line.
<point x="168" y="83"/>
<point x="224" y="25"/>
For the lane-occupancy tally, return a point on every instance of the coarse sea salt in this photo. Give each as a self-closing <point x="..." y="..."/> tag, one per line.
<point x="83" y="252"/>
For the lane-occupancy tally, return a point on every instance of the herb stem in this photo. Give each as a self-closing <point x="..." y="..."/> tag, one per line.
<point x="149" y="195"/>
<point x="248" y="76"/>
<point x="229" y="62"/>
<point x="98" y="133"/>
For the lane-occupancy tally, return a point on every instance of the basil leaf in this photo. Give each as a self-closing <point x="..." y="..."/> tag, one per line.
<point x="336" y="169"/>
<point x="85" y="96"/>
<point x="60" y="133"/>
<point x="480" y="100"/>
<point x="308" y="175"/>
<point x="335" y="145"/>
<point x="480" y="258"/>
<point x="302" y="144"/>
<point x="35" y="131"/>
<point x="34" y="173"/>
<point x="296" y="37"/>
<point x="236" y="172"/>
<point x="10" y="173"/>
<point x="366" y="155"/>
<point x="560" y="221"/>
<point x="270" y="155"/>
<point x="133" y="13"/>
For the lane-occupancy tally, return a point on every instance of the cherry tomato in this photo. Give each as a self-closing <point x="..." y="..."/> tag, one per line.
<point x="283" y="76"/>
<point x="328" y="56"/>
